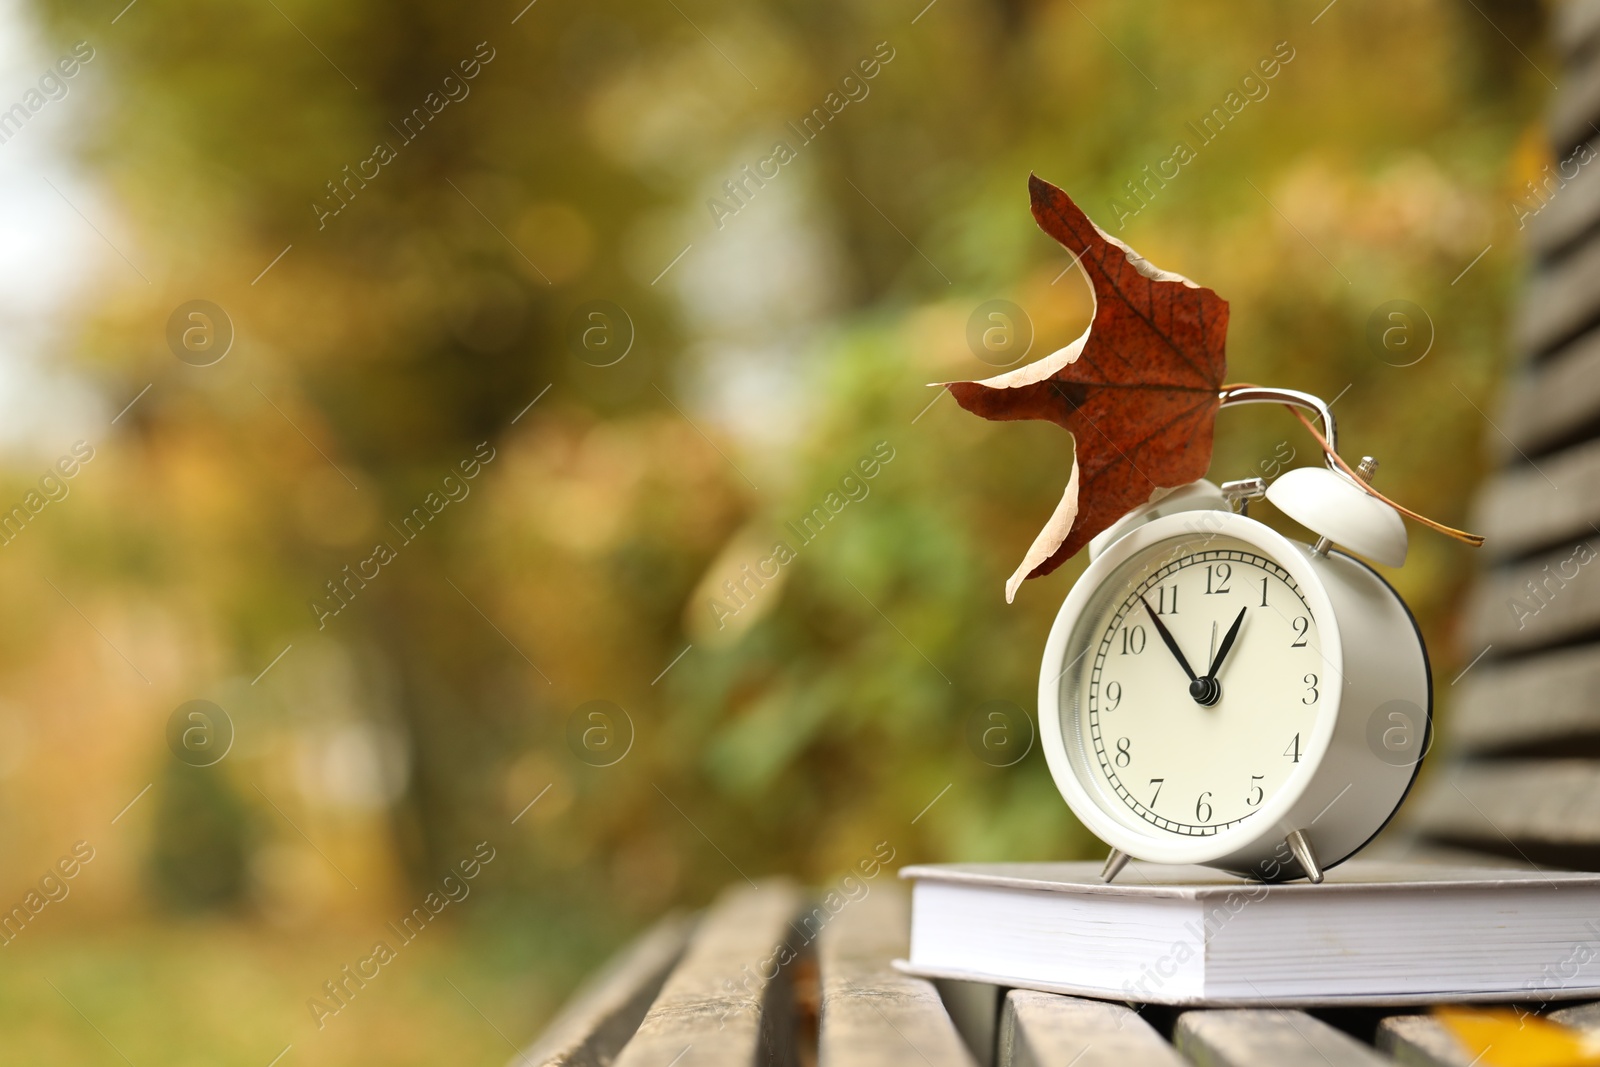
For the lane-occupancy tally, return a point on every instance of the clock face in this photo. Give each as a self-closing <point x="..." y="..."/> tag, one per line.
<point x="1193" y="683"/>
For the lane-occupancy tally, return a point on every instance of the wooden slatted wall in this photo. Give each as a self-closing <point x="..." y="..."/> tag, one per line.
<point x="1525" y="733"/>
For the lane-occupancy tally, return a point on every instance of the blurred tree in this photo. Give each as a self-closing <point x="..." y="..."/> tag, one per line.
<point x="774" y="345"/>
<point x="200" y="850"/>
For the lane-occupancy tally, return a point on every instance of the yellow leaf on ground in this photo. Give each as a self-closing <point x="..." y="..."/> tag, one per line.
<point x="1505" y="1038"/>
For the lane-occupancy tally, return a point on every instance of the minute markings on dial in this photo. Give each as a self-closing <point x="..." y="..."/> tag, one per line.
<point x="1190" y="764"/>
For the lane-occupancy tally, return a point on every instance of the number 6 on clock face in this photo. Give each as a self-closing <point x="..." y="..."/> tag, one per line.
<point x="1213" y="763"/>
<point x="1207" y="689"/>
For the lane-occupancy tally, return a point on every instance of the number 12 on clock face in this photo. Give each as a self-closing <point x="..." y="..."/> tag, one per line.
<point x="1201" y="675"/>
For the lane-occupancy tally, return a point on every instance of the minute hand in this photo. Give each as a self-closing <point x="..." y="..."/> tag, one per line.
<point x="1166" y="637"/>
<point x="1227" y="643"/>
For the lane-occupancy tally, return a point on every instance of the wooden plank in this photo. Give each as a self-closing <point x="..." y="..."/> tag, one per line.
<point x="1579" y="1016"/>
<point x="974" y="1007"/>
<point x="1548" y="801"/>
<point x="1564" y="203"/>
<point x="729" y="997"/>
<point x="1529" y="701"/>
<point x="1560" y="301"/>
<point x="1046" y="1030"/>
<point x="872" y="1015"/>
<point x="1574" y="26"/>
<point x="1527" y="508"/>
<point x="1576" y="104"/>
<point x="1405" y="841"/>
<point x="1400" y="844"/>
<point x="605" y="1012"/>
<point x="1552" y="400"/>
<point x="1548" y="598"/>
<point x="1423" y="1041"/>
<point x="1266" y="1037"/>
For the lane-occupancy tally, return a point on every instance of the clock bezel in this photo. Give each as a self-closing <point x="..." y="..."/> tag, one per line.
<point x="1156" y="845"/>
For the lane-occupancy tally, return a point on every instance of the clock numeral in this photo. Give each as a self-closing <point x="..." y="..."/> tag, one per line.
<point x="1302" y="626"/>
<point x="1293" y="749"/>
<point x="1162" y="607"/>
<point x="1113" y="694"/>
<point x="1256" y="793"/>
<point x="1202" y="810"/>
<point x="1157" y="782"/>
<point x="1311" y="690"/>
<point x="1263" y="592"/>
<point x="1132" y="640"/>
<point x="1123" y="756"/>
<point x="1223" y="573"/>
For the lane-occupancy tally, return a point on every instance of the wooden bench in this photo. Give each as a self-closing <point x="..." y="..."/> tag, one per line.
<point x="707" y="990"/>
<point x="1521" y="784"/>
<point x="1523" y="781"/>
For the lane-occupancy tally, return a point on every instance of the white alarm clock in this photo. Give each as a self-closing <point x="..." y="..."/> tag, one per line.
<point x="1213" y="692"/>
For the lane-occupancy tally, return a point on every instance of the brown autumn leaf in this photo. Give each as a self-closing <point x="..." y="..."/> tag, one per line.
<point x="1138" y="390"/>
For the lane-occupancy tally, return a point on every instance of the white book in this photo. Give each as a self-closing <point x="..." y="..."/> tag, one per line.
<point x="1372" y="933"/>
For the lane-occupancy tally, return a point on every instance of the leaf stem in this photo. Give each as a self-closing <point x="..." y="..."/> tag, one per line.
<point x="1475" y="540"/>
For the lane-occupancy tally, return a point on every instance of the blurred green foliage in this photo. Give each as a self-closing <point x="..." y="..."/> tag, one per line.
<point x="199" y="855"/>
<point x="391" y="339"/>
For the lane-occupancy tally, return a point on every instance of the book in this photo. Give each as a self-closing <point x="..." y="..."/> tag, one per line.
<point x="1373" y="933"/>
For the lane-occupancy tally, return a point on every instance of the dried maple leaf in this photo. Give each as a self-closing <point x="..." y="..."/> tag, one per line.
<point x="1138" y="390"/>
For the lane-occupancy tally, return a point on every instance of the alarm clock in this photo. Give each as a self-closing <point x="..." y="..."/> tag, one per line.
<point x="1213" y="692"/>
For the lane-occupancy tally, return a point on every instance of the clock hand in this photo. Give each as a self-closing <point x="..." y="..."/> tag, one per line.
<point x="1227" y="644"/>
<point x="1166" y="636"/>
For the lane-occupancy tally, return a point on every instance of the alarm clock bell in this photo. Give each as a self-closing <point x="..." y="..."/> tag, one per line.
<point x="1332" y="506"/>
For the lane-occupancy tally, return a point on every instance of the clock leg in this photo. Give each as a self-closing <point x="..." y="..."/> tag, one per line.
<point x="1300" y="845"/>
<point x="1114" y="864"/>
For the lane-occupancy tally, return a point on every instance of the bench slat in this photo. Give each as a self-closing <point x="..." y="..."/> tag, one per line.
<point x="1579" y="1016"/>
<point x="1549" y="801"/>
<point x="1552" y="399"/>
<point x="1047" y="1030"/>
<point x="606" y="1011"/>
<point x="1543" y="698"/>
<point x="872" y="1015"/>
<point x="1527" y="508"/>
<point x="1560" y="299"/>
<point x="716" y="1001"/>
<point x="1568" y="211"/>
<point x="1574" y="25"/>
<point x="1565" y="602"/>
<point x="1422" y="1040"/>
<point x="1266" y="1037"/>
<point x="1404" y="846"/>
<point x="975" y="1009"/>
<point x="1576" y="104"/>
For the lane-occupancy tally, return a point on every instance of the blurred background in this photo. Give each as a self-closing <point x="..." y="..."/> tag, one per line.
<point x="446" y="372"/>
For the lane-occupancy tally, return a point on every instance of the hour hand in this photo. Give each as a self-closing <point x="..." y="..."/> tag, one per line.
<point x="1167" y="639"/>
<point x="1227" y="643"/>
